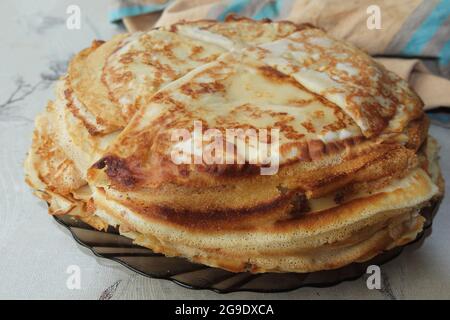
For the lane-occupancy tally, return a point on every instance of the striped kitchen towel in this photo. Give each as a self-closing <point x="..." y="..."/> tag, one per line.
<point x="413" y="33"/>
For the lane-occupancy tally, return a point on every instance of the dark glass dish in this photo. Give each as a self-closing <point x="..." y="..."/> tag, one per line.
<point x="111" y="245"/>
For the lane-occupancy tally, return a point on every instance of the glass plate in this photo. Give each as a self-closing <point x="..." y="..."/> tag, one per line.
<point x="110" y="245"/>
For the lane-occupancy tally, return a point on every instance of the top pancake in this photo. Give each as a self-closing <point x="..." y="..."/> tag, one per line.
<point x="346" y="95"/>
<point x="109" y="81"/>
<point x="334" y="106"/>
<point x="113" y="79"/>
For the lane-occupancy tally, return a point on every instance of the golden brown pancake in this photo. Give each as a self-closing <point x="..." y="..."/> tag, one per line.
<point x="354" y="162"/>
<point x="109" y="81"/>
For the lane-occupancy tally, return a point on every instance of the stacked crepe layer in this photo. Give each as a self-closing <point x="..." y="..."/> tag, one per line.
<point x="356" y="164"/>
<point x="104" y="86"/>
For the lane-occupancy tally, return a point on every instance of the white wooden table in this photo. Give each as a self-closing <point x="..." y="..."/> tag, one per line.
<point x="35" y="252"/>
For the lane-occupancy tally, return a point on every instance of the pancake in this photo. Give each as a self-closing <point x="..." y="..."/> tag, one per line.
<point x="107" y="82"/>
<point x="270" y="241"/>
<point x="373" y="97"/>
<point x="329" y="161"/>
<point x="54" y="176"/>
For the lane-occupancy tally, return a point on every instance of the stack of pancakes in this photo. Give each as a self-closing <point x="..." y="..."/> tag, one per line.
<point x="355" y="162"/>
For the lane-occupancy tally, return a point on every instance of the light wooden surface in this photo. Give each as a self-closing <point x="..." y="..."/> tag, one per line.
<point x="35" y="252"/>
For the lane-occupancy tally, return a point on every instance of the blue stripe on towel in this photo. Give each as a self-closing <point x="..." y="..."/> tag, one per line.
<point x="444" y="54"/>
<point x="120" y="13"/>
<point x="270" y="10"/>
<point x="441" y="117"/>
<point x="428" y="28"/>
